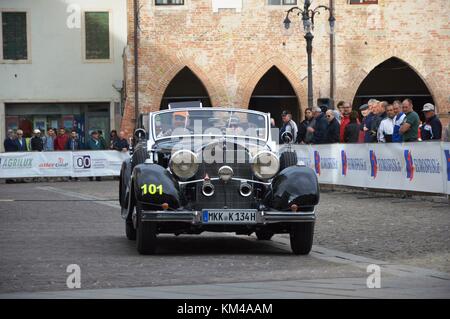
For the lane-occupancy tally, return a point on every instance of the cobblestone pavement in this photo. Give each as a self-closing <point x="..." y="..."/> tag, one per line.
<point x="52" y="225"/>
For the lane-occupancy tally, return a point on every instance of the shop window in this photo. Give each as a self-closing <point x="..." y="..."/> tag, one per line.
<point x="282" y="2"/>
<point x="169" y="2"/>
<point x="14" y="36"/>
<point x="97" y="36"/>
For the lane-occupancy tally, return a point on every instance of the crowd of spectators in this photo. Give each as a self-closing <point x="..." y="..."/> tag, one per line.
<point x="63" y="141"/>
<point x="376" y="122"/>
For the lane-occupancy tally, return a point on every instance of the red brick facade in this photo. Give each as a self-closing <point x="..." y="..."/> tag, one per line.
<point x="230" y="51"/>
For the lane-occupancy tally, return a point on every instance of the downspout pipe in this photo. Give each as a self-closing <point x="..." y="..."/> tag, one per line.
<point x="332" y="58"/>
<point x="136" y="61"/>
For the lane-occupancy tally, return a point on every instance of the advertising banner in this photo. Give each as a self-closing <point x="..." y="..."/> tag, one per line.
<point x="61" y="164"/>
<point x="446" y="161"/>
<point x="423" y="167"/>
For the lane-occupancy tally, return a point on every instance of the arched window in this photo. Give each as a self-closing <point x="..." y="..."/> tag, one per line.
<point x="274" y="93"/>
<point x="393" y="80"/>
<point x="185" y="86"/>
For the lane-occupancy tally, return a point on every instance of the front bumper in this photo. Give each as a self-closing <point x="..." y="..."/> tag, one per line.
<point x="262" y="217"/>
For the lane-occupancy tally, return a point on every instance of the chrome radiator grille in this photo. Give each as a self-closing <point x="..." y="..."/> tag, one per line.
<point x="226" y="195"/>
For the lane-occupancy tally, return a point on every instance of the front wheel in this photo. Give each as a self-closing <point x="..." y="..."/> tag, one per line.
<point x="145" y="235"/>
<point x="129" y="230"/>
<point x="301" y="236"/>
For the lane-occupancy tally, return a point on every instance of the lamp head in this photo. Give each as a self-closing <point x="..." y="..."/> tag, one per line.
<point x="307" y="24"/>
<point x="287" y="23"/>
<point x="332" y="21"/>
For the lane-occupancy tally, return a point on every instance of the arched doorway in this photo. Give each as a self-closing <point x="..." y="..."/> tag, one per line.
<point x="393" y="80"/>
<point x="274" y="93"/>
<point x="185" y="86"/>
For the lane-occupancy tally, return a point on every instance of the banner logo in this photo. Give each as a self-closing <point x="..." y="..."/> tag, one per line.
<point x="16" y="163"/>
<point x="82" y="162"/>
<point x="447" y="156"/>
<point x="317" y="162"/>
<point x="60" y="163"/>
<point x="344" y="163"/>
<point x="373" y="164"/>
<point x="409" y="165"/>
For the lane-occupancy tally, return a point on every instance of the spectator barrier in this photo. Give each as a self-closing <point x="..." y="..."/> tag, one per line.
<point x="423" y="167"/>
<point x="61" y="164"/>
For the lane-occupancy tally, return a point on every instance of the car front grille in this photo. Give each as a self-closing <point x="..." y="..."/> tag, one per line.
<point x="226" y="195"/>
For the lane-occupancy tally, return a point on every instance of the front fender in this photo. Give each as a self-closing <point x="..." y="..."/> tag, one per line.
<point x="294" y="185"/>
<point x="155" y="185"/>
<point x="124" y="182"/>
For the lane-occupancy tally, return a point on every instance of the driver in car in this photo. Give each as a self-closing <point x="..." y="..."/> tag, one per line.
<point x="234" y="128"/>
<point x="180" y="120"/>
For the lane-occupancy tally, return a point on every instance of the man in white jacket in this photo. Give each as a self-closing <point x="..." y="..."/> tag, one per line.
<point x="386" y="128"/>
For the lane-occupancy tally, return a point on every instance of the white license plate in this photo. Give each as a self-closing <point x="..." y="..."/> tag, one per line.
<point x="213" y="216"/>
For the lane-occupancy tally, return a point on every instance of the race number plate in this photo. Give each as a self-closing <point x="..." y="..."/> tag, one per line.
<point x="216" y="216"/>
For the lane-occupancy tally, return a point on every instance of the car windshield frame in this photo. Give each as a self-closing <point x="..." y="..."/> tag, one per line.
<point x="216" y="109"/>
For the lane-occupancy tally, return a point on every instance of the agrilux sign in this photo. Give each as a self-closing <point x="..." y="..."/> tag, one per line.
<point x="16" y="163"/>
<point x="61" y="164"/>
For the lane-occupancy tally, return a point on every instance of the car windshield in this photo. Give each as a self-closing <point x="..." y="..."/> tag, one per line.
<point x="200" y="122"/>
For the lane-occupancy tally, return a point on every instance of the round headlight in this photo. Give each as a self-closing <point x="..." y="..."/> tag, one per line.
<point x="184" y="164"/>
<point x="265" y="165"/>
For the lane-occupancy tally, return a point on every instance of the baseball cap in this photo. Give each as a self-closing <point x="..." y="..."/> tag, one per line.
<point x="285" y="112"/>
<point x="36" y="131"/>
<point x="428" y="107"/>
<point x="364" y="107"/>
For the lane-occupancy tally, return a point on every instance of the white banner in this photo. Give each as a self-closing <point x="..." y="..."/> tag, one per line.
<point x="446" y="161"/>
<point x="61" y="164"/>
<point x="423" y="167"/>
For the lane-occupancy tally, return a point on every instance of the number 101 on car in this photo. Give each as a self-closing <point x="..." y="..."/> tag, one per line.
<point x="152" y="189"/>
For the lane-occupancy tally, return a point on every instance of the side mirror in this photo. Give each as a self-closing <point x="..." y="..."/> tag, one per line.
<point x="140" y="134"/>
<point x="287" y="137"/>
<point x="130" y="146"/>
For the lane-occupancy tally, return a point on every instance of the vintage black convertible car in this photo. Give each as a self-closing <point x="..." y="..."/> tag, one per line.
<point x="218" y="170"/>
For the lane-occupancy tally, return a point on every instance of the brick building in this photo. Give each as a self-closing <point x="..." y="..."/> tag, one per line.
<point x="238" y="53"/>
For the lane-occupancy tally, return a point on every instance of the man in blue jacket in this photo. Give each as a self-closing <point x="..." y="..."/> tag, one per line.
<point x="121" y="143"/>
<point x="398" y="121"/>
<point x="73" y="144"/>
<point x="431" y="130"/>
<point x="9" y="143"/>
<point x="94" y="142"/>
<point x="20" y="142"/>
<point x="333" y="128"/>
<point x="320" y="127"/>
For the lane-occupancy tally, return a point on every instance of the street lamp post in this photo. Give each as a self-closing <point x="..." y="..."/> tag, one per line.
<point x="308" y="15"/>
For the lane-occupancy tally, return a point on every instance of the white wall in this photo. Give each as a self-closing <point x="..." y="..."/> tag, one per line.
<point x="57" y="71"/>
